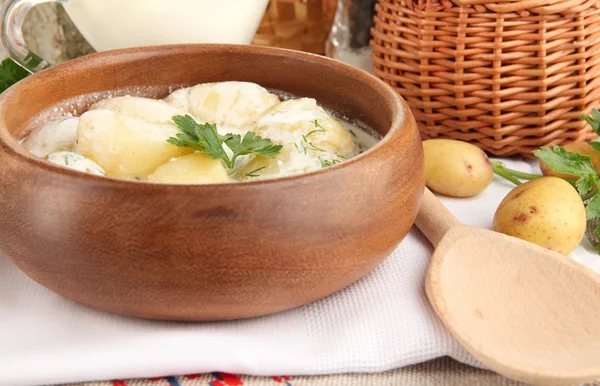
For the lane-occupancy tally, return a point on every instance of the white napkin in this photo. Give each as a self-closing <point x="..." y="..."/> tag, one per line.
<point x="380" y="323"/>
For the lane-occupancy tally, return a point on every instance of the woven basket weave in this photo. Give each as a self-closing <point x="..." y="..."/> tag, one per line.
<point x="507" y="76"/>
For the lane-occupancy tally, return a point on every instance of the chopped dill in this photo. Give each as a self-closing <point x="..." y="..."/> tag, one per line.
<point x="317" y="125"/>
<point x="254" y="172"/>
<point x="309" y="145"/>
<point x="353" y="133"/>
<point x="314" y="131"/>
<point x="319" y="128"/>
<point x="326" y="163"/>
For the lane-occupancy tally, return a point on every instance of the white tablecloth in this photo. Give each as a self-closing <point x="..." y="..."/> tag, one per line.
<point x="382" y="322"/>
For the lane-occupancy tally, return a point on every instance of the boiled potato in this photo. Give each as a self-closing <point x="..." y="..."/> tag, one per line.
<point x="194" y="168"/>
<point x="581" y="148"/>
<point x="288" y="162"/>
<point x="309" y="126"/>
<point x="456" y="168"/>
<point x="231" y="104"/>
<point x="76" y="162"/>
<point x="150" y="110"/>
<point x="56" y="135"/>
<point x="123" y="146"/>
<point x="546" y="211"/>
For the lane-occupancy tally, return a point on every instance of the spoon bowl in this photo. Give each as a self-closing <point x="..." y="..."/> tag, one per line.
<point x="526" y="312"/>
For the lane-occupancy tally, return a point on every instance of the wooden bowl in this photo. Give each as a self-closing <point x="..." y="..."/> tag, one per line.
<point x="207" y="252"/>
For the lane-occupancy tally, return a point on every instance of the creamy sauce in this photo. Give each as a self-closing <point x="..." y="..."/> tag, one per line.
<point x="127" y="137"/>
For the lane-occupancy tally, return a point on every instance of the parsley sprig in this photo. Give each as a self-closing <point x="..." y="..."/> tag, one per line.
<point x="11" y="72"/>
<point x="206" y="139"/>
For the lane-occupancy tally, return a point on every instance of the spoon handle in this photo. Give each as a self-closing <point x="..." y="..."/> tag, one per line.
<point x="434" y="220"/>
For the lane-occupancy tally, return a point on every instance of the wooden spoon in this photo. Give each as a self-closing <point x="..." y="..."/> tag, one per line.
<point x="528" y="313"/>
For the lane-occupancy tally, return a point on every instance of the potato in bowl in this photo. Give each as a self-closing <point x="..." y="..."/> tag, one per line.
<point x="152" y="140"/>
<point x="205" y="251"/>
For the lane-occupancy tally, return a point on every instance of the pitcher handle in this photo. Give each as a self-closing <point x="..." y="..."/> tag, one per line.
<point x="11" y="35"/>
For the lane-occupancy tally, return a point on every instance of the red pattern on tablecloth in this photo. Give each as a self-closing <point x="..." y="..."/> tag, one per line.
<point x="218" y="379"/>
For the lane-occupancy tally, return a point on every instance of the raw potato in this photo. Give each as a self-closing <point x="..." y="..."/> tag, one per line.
<point x="126" y="147"/>
<point x="546" y="211"/>
<point x="150" y="110"/>
<point x="456" y="168"/>
<point x="54" y="136"/>
<point x="581" y="148"/>
<point x="231" y="104"/>
<point x="195" y="168"/>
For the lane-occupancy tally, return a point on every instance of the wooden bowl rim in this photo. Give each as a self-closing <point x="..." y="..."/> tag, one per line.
<point x="399" y="112"/>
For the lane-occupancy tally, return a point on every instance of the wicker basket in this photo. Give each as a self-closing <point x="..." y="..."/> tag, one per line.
<point x="508" y="76"/>
<point x="296" y="24"/>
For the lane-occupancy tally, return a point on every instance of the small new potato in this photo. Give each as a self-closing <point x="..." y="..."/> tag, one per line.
<point x="56" y="135"/>
<point x="190" y="169"/>
<point x="456" y="168"/>
<point x="75" y="161"/>
<point x="304" y="122"/>
<point x="581" y="148"/>
<point x="232" y="104"/>
<point x="546" y="211"/>
<point x="150" y="110"/>
<point x="288" y="162"/>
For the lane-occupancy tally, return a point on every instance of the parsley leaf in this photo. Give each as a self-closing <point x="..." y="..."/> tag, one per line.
<point x="593" y="121"/>
<point x="584" y="185"/>
<point x="566" y="162"/>
<point x="597" y="231"/>
<point x="562" y="161"/>
<point x="11" y="73"/>
<point x="206" y="139"/>
<point x="251" y="144"/>
<point x="592" y="209"/>
<point x="595" y="145"/>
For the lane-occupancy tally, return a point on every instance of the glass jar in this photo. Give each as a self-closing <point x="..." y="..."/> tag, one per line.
<point x="351" y="33"/>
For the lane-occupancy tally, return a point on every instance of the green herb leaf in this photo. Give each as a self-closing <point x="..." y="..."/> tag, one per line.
<point x="11" y="73"/>
<point x="306" y="144"/>
<point x="254" y="172"/>
<point x="251" y="144"/>
<point x="592" y="209"/>
<point x="595" y="145"/>
<point x="566" y="162"/>
<point x="596" y="115"/>
<point x="597" y="231"/>
<point x="32" y="61"/>
<point x="202" y="138"/>
<point x="585" y="184"/>
<point x="593" y="121"/>
<point x="205" y="138"/>
<point x="326" y="163"/>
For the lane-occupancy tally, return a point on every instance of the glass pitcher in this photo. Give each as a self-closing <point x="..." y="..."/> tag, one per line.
<point x="113" y="24"/>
